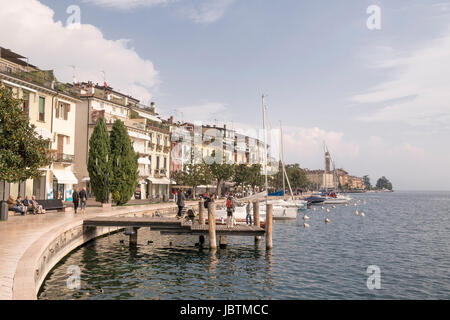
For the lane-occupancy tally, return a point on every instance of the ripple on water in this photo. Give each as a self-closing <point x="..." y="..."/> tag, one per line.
<point x="405" y="234"/>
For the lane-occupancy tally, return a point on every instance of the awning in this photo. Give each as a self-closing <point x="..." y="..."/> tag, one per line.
<point x="86" y="179"/>
<point x="65" y="176"/>
<point x="44" y="133"/>
<point x="142" y="182"/>
<point x="143" y="161"/>
<point x="159" y="180"/>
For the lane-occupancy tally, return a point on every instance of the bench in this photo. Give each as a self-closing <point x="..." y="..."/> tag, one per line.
<point x="56" y="204"/>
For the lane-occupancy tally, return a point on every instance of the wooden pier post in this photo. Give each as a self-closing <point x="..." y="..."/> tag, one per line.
<point x="269" y="225"/>
<point x="201" y="219"/>
<point x="134" y="237"/>
<point x="201" y="212"/>
<point x="222" y="242"/>
<point x="212" y="225"/>
<point x="256" y="219"/>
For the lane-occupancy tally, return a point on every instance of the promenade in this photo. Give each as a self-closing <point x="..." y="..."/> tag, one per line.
<point x="20" y="232"/>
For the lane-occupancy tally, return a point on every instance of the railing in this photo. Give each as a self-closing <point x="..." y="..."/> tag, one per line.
<point x="62" y="157"/>
<point x="39" y="77"/>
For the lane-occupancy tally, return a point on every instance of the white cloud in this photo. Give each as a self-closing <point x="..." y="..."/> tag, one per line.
<point x="33" y="32"/>
<point x="206" y="11"/>
<point x="128" y="4"/>
<point x="418" y="90"/>
<point x="199" y="11"/>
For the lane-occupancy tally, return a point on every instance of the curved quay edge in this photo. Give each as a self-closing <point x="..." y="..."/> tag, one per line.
<point x="51" y="247"/>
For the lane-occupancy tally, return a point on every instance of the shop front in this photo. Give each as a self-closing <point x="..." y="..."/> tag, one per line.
<point x="62" y="184"/>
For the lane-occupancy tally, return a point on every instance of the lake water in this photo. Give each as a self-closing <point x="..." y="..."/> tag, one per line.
<point x="405" y="234"/>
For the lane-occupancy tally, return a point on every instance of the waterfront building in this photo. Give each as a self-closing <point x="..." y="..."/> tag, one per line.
<point x="51" y="107"/>
<point x="144" y="128"/>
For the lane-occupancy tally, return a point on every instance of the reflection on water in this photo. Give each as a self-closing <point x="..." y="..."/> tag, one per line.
<point x="405" y="234"/>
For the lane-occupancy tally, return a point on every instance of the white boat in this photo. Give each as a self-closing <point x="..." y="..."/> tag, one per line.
<point x="338" y="200"/>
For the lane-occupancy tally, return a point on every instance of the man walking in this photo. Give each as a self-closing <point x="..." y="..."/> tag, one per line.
<point x="83" y="200"/>
<point x="248" y="208"/>
<point x="180" y="202"/>
<point x="75" y="199"/>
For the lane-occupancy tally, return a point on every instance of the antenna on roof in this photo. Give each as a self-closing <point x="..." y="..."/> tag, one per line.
<point x="74" y="79"/>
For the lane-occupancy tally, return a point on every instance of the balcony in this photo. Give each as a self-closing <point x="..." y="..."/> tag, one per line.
<point x="159" y="147"/>
<point x="62" y="157"/>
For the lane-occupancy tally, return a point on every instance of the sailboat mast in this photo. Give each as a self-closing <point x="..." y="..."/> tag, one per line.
<point x="282" y="159"/>
<point x="265" y="148"/>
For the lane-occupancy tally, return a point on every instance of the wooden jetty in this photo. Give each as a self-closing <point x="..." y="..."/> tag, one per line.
<point x="175" y="226"/>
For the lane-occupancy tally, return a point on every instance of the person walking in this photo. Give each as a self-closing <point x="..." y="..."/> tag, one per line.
<point x="83" y="200"/>
<point x="75" y="199"/>
<point x="231" y="205"/>
<point x="248" y="208"/>
<point x="180" y="202"/>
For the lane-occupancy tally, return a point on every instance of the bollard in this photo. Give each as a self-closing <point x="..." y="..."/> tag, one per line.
<point x="256" y="219"/>
<point x="3" y="210"/>
<point x="212" y="225"/>
<point x="269" y="224"/>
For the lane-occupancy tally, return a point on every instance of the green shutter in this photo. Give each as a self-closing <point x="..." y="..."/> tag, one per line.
<point x="41" y="108"/>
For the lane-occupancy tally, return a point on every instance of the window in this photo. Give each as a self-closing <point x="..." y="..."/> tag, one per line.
<point x="157" y="163"/>
<point x="41" y="109"/>
<point x="158" y="139"/>
<point x="165" y="141"/>
<point x="165" y="163"/>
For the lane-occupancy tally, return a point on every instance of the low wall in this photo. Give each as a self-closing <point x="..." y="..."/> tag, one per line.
<point x="39" y="259"/>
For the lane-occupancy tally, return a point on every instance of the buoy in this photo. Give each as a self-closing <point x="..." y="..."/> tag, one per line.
<point x="323" y="208"/>
<point x="328" y="210"/>
<point x="362" y="214"/>
<point x="356" y="212"/>
<point x="305" y="217"/>
<point x="314" y="209"/>
<point x="334" y="207"/>
<point x="327" y="220"/>
<point x="306" y="225"/>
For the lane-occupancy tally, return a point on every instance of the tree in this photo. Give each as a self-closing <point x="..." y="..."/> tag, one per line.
<point x="297" y="176"/>
<point x="124" y="159"/>
<point x="256" y="178"/>
<point x="366" y="181"/>
<point x="242" y="174"/>
<point x="99" y="162"/>
<point x="384" y="183"/>
<point x="221" y="172"/>
<point x="193" y="175"/>
<point x="22" y="151"/>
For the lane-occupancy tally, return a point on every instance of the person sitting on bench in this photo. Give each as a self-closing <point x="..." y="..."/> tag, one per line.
<point x="13" y="206"/>
<point x="37" y="208"/>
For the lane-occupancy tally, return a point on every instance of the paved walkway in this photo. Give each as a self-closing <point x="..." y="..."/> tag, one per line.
<point x="20" y="232"/>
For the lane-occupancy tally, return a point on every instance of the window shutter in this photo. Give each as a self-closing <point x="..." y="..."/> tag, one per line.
<point x="66" y="111"/>
<point x="57" y="109"/>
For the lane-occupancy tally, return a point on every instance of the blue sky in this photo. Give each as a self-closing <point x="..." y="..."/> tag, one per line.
<point x="378" y="97"/>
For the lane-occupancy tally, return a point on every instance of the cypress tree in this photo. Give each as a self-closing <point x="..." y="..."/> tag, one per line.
<point x="99" y="162"/>
<point x="125" y="164"/>
<point x="22" y="151"/>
